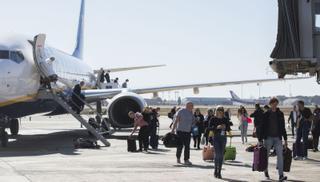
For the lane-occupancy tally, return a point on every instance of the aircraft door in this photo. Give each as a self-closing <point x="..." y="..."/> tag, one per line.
<point x="42" y="61"/>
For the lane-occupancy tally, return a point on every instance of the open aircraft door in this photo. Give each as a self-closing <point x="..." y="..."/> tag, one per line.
<point x="42" y="61"/>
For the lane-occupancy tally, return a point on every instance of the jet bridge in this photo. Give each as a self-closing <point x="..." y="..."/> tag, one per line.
<point x="297" y="48"/>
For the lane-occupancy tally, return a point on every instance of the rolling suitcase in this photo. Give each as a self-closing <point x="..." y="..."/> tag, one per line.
<point x="208" y="153"/>
<point x="297" y="149"/>
<point x="131" y="144"/>
<point x="260" y="159"/>
<point x="287" y="160"/>
<point x="230" y="152"/>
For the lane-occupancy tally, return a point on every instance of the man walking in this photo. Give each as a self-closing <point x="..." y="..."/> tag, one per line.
<point x="273" y="130"/>
<point x="293" y="118"/>
<point x="183" y="124"/>
<point x="303" y="128"/>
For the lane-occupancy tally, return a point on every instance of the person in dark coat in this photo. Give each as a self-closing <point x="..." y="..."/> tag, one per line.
<point x="209" y="116"/>
<point x="293" y="119"/>
<point x="107" y="76"/>
<point x="315" y="129"/>
<point x="303" y="127"/>
<point x="258" y="119"/>
<point x="199" y="127"/>
<point x="102" y="75"/>
<point x="77" y="98"/>
<point x="273" y="130"/>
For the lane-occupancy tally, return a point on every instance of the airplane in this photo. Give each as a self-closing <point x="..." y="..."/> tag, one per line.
<point x="37" y="78"/>
<point x="236" y="98"/>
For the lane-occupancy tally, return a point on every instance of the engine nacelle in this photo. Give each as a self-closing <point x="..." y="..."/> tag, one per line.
<point x="119" y="107"/>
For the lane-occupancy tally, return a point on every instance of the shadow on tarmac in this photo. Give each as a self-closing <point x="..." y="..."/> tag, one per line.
<point x="43" y="144"/>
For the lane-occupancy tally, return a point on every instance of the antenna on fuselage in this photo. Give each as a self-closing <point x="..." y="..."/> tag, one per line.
<point x="78" y="52"/>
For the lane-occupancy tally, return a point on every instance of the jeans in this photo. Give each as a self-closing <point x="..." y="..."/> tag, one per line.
<point x="143" y="138"/>
<point x="219" y="144"/>
<point x="184" y="141"/>
<point x="153" y="135"/>
<point x="303" y="133"/>
<point x="244" y="131"/>
<point x="197" y="140"/>
<point x="293" y="125"/>
<point x="276" y="142"/>
<point x="315" y="136"/>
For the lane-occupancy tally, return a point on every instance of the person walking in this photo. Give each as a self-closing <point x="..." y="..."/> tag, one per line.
<point x="153" y="126"/>
<point x="143" y="135"/>
<point x="125" y="84"/>
<point x="77" y="97"/>
<point x="273" y="130"/>
<point x="182" y="124"/>
<point x="303" y="128"/>
<point x="220" y="126"/>
<point x="107" y="76"/>
<point x="258" y="119"/>
<point x="243" y="119"/>
<point x="209" y="116"/>
<point x="293" y="119"/>
<point x="315" y="129"/>
<point x="200" y="128"/>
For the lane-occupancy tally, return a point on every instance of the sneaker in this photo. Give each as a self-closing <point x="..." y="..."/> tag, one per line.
<point x="178" y="161"/>
<point x="187" y="162"/>
<point x="305" y="158"/>
<point x="296" y="158"/>
<point x="266" y="174"/>
<point x="282" y="178"/>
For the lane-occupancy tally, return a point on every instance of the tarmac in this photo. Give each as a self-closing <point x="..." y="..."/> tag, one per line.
<point x="44" y="152"/>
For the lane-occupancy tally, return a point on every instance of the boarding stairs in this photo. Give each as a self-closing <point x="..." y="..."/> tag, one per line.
<point x="50" y="94"/>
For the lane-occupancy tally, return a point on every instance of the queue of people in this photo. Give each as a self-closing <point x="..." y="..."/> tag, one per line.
<point x="215" y="127"/>
<point x="111" y="83"/>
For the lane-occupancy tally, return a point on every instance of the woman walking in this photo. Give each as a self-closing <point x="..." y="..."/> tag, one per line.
<point x="243" y="120"/>
<point x="220" y="126"/>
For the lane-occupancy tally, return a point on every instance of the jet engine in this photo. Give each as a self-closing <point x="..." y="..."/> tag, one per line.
<point x="119" y="107"/>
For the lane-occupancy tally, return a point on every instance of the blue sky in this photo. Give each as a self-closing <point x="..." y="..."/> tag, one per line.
<point x="199" y="41"/>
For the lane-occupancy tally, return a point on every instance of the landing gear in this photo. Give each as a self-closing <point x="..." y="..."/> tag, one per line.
<point x="14" y="127"/>
<point x="4" y="137"/>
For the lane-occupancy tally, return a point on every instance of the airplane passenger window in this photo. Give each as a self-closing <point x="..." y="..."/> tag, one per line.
<point x="4" y="54"/>
<point x="16" y="56"/>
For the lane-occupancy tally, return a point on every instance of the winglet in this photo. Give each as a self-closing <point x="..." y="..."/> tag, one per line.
<point x="78" y="52"/>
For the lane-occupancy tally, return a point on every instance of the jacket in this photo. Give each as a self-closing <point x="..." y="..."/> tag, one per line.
<point x="265" y="125"/>
<point x="258" y="117"/>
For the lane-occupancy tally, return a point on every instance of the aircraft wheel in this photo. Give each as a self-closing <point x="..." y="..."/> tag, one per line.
<point x="14" y="127"/>
<point x="4" y="138"/>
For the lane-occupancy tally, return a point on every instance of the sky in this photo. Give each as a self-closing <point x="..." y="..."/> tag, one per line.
<point x="199" y="41"/>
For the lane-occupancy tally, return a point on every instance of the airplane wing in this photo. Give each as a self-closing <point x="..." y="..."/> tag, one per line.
<point x="129" y="68"/>
<point x="109" y="93"/>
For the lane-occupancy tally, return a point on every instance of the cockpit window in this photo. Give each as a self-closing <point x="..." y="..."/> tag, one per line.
<point x="4" y="54"/>
<point x="15" y="56"/>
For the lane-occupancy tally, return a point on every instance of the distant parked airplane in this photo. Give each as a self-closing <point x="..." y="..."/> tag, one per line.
<point x="236" y="98"/>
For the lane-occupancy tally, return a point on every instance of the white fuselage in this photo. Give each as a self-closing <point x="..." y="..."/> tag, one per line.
<point x="19" y="78"/>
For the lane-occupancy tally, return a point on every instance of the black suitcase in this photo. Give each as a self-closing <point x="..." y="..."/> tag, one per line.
<point x="131" y="144"/>
<point x="297" y="149"/>
<point x="170" y="140"/>
<point x="287" y="160"/>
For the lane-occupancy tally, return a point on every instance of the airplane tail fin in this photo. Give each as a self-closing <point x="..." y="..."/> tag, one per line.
<point x="234" y="96"/>
<point x="78" y="52"/>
